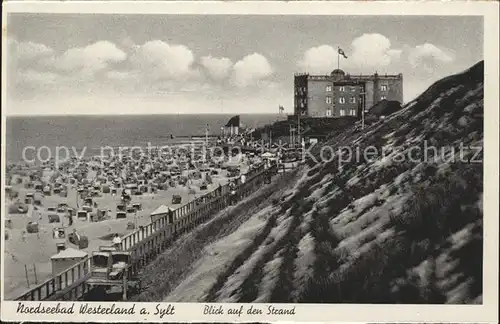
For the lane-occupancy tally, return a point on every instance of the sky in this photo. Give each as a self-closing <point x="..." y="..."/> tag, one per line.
<point x="175" y="64"/>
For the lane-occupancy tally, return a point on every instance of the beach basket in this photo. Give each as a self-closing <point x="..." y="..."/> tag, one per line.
<point x="59" y="233"/>
<point x="176" y="199"/>
<point x="121" y="215"/>
<point x="83" y="243"/>
<point x="54" y="218"/>
<point x="18" y="208"/>
<point x="82" y="215"/>
<point x="60" y="247"/>
<point x="72" y="238"/>
<point x="32" y="227"/>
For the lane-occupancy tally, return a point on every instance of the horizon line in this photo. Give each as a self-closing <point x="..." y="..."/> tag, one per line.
<point x="133" y="114"/>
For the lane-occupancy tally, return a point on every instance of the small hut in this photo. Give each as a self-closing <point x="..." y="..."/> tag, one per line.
<point x="66" y="259"/>
<point x="160" y="212"/>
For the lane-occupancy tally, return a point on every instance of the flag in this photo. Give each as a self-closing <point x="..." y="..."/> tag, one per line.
<point x="281" y="108"/>
<point x="341" y="52"/>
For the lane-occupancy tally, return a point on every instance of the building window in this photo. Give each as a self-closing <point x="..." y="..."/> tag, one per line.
<point x="328" y="88"/>
<point x="304" y="89"/>
<point x="353" y="89"/>
<point x="352" y="112"/>
<point x="328" y="100"/>
<point x="341" y="100"/>
<point x="328" y="113"/>
<point x="383" y="97"/>
<point x="383" y="87"/>
<point x="342" y="112"/>
<point x="352" y="100"/>
<point x="342" y="89"/>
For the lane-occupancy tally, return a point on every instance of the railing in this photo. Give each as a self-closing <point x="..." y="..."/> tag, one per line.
<point x="61" y="283"/>
<point x="147" y="239"/>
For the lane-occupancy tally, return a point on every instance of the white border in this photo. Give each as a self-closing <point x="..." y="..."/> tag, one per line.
<point x="192" y="312"/>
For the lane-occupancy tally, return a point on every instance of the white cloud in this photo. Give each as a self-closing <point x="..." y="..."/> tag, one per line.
<point x="119" y="75"/>
<point x="250" y="70"/>
<point x="33" y="77"/>
<point x="159" y="60"/>
<point x="428" y="56"/>
<point x="319" y="60"/>
<point x="218" y="68"/>
<point x="367" y="52"/>
<point x="373" y="50"/>
<point x="88" y="60"/>
<point x="28" y="51"/>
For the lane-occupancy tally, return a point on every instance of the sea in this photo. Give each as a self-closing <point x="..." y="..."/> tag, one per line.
<point x="44" y="134"/>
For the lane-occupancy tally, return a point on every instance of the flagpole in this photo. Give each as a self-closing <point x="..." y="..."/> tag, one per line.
<point x="338" y="58"/>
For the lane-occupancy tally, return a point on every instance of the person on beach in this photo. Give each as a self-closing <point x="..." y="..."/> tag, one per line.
<point x="232" y="187"/>
<point x="117" y="241"/>
<point x="219" y="190"/>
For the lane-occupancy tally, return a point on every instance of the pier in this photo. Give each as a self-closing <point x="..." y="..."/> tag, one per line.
<point x="143" y="245"/>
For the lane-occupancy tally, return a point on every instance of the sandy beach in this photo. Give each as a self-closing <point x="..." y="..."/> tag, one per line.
<point x="28" y="255"/>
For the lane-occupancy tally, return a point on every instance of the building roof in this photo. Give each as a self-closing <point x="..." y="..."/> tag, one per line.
<point x="338" y="71"/>
<point x="162" y="209"/>
<point x="69" y="253"/>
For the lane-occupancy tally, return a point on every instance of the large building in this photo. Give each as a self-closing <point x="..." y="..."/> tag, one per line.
<point x="340" y="94"/>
